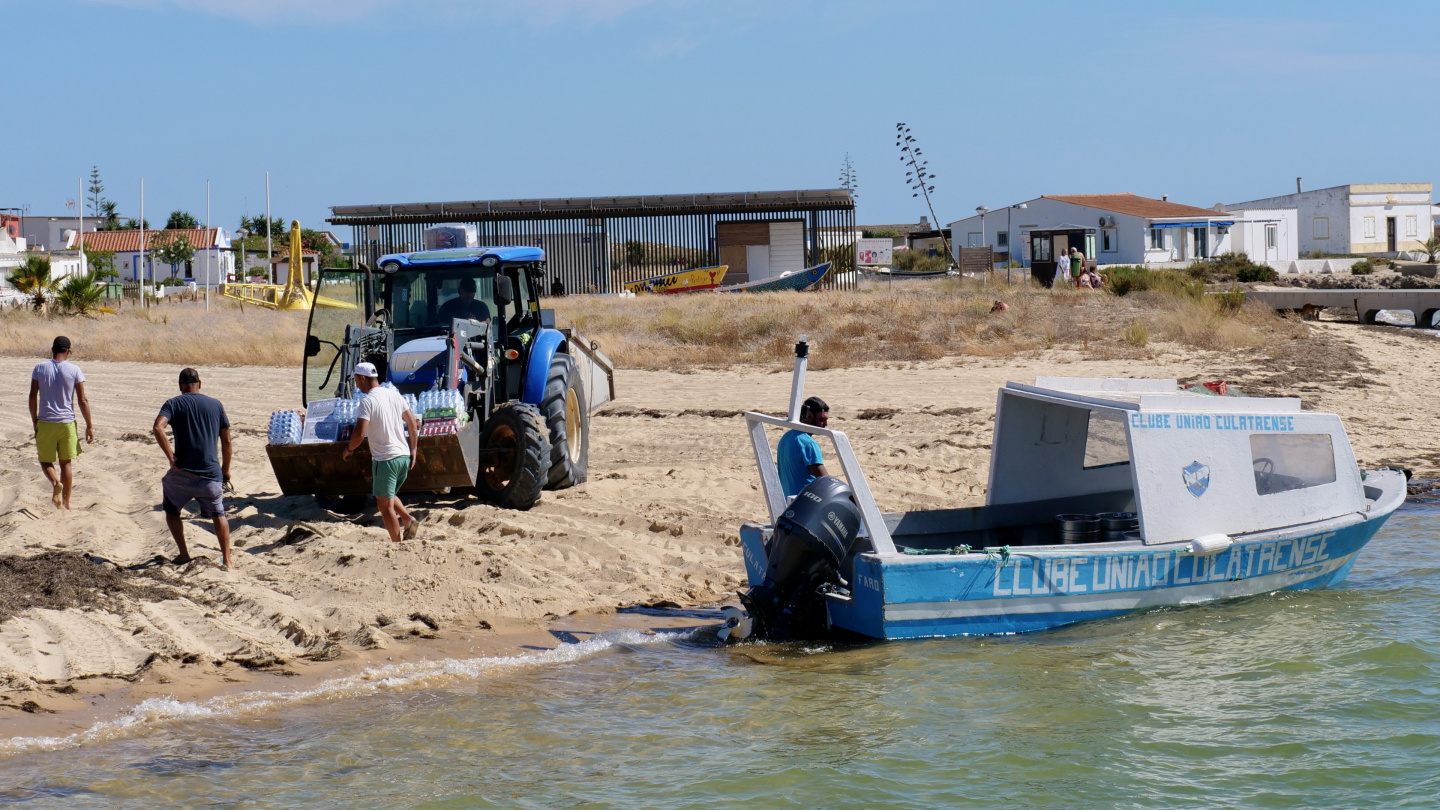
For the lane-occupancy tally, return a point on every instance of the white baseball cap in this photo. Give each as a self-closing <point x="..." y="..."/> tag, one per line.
<point x="366" y="370"/>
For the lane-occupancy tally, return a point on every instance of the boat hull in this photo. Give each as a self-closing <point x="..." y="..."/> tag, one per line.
<point x="683" y="281"/>
<point x="1038" y="588"/>
<point x="797" y="280"/>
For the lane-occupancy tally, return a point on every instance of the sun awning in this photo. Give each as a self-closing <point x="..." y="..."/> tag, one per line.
<point x="1189" y="224"/>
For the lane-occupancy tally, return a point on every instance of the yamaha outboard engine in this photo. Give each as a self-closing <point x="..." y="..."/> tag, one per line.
<point x="808" y="545"/>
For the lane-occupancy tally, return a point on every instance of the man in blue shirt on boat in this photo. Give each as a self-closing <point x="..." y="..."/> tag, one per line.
<point x="798" y="455"/>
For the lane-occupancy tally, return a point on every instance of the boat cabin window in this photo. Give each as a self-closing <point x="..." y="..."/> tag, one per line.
<point x="1106" y="442"/>
<point x="1290" y="461"/>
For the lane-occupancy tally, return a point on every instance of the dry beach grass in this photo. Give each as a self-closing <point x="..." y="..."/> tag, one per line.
<point x="177" y="334"/>
<point x="914" y="320"/>
<point x="911" y="321"/>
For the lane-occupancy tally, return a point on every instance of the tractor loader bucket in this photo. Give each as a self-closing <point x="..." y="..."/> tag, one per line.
<point x="595" y="368"/>
<point x="449" y="460"/>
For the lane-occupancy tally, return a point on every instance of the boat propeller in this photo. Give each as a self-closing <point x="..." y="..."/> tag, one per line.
<point x="737" y="625"/>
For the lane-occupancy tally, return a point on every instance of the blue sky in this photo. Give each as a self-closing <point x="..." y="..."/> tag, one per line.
<point x="376" y="101"/>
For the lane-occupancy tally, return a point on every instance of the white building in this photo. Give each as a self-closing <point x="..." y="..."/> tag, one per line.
<point x="12" y="255"/>
<point x="1378" y="218"/>
<point x="1266" y="235"/>
<point x="52" y="233"/>
<point x="212" y="264"/>
<point x="1107" y="228"/>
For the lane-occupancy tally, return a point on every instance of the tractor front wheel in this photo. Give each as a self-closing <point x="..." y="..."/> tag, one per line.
<point x="517" y="456"/>
<point x="567" y="414"/>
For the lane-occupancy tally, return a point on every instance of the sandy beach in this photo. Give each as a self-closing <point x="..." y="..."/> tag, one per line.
<point x="671" y="480"/>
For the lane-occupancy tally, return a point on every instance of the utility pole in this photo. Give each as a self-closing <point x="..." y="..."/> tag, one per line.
<point x="80" y="226"/>
<point x="140" y="271"/>
<point x="269" y="265"/>
<point x="209" y="250"/>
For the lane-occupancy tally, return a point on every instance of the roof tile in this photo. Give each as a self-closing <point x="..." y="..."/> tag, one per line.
<point x="1133" y="204"/>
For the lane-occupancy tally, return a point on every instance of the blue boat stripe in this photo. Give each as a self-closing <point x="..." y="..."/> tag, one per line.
<point x="1116" y="601"/>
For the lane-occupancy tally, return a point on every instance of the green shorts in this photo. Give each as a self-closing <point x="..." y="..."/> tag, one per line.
<point x="389" y="476"/>
<point x="55" y="439"/>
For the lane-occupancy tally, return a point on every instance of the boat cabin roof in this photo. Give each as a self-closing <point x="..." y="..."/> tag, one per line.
<point x="1194" y="464"/>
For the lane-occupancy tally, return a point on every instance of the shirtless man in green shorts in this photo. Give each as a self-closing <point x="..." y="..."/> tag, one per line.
<point x="56" y="387"/>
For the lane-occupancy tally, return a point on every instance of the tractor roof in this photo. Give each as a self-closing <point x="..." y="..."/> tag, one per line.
<point x="511" y="253"/>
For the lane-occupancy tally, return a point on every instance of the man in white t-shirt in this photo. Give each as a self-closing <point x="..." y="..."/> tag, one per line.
<point x="384" y="418"/>
<point x="57" y="388"/>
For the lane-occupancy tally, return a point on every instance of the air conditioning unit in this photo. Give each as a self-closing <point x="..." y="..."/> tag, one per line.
<point x="1107" y="222"/>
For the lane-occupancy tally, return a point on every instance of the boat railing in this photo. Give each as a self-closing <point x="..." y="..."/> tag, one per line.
<point x="849" y="465"/>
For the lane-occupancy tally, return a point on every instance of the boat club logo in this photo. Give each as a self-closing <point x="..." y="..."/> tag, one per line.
<point x="1197" y="478"/>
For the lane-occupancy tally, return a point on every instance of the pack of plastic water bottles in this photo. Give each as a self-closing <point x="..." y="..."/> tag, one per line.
<point x="413" y="403"/>
<point x="286" y="427"/>
<point x="441" y="404"/>
<point x="345" y="412"/>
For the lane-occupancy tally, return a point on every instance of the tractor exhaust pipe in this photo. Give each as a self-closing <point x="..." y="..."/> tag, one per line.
<point x="797" y="383"/>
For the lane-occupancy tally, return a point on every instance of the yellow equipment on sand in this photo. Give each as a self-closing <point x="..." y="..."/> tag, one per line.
<point x="292" y="295"/>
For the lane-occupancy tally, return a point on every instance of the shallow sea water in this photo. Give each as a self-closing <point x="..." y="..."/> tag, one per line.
<point x="1328" y="698"/>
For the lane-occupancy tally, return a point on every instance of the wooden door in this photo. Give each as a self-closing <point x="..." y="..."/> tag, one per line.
<point x="734" y="256"/>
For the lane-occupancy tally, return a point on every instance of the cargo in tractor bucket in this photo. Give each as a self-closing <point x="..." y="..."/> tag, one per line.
<point x="447" y="460"/>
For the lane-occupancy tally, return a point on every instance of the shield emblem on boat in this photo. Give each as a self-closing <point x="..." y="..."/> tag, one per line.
<point x="1197" y="478"/>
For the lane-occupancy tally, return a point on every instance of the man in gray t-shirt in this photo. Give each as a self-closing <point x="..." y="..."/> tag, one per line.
<point x="57" y="386"/>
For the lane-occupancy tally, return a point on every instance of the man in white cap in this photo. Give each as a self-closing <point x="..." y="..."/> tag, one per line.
<point x="384" y="417"/>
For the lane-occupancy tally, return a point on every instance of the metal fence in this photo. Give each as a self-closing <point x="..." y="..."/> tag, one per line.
<point x="599" y="244"/>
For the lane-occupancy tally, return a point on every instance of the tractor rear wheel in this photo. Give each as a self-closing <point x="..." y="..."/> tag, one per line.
<point x="512" y="475"/>
<point x="567" y="414"/>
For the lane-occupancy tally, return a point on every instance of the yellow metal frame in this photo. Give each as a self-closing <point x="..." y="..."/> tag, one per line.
<point x="292" y="295"/>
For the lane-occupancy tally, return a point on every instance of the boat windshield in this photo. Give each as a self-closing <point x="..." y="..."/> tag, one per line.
<point x="430" y="297"/>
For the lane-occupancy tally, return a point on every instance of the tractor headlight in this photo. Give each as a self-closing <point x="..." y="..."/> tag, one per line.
<point x="489" y="261"/>
<point x="390" y="267"/>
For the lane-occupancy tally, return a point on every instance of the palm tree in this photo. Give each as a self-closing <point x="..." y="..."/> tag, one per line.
<point x="79" y="294"/>
<point x="1431" y="248"/>
<point x="33" y="279"/>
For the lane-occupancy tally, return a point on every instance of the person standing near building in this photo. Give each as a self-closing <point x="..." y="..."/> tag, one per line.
<point x="56" y="387"/>
<point x="196" y="472"/>
<point x="384" y="417"/>
<point x="1077" y="266"/>
<point x="798" y="455"/>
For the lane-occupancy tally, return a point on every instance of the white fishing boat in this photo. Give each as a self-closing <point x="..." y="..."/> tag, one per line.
<point x="1105" y="496"/>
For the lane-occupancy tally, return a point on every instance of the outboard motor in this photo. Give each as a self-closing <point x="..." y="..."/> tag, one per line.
<point x="808" y="545"/>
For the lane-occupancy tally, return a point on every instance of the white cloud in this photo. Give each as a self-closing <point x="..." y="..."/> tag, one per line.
<point x="542" y="12"/>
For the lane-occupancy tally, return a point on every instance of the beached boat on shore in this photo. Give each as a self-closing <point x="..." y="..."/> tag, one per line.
<point x="793" y="280"/>
<point x="1105" y="496"/>
<point x="680" y="281"/>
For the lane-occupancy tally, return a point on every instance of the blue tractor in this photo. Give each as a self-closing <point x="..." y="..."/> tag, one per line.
<point x="466" y="321"/>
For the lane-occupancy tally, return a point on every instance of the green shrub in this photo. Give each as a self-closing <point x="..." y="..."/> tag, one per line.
<point x="1126" y="279"/>
<point x="1362" y="268"/>
<point x="1232" y="300"/>
<point x="916" y="261"/>
<point x="1256" y="272"/>
<point x="1229" y="266"/>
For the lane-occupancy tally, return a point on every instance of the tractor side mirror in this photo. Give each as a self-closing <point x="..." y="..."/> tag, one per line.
<point x="504" y="291"/>
<point x="547" y="319"/>
<point x="312" y="345"/>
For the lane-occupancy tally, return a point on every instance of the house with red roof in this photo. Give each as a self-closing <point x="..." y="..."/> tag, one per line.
<point x="1107" y="228"/>
<point x="211" y="266"/>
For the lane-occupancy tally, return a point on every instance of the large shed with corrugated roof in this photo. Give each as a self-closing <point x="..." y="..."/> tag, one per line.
<point x="598" y="244"/>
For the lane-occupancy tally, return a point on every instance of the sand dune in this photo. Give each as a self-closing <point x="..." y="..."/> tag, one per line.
<point x="671" y="481"/>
